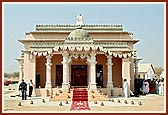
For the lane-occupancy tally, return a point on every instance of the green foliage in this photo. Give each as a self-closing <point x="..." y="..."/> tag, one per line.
<point x="9" y="75"/>
<point x="15" y="74"/>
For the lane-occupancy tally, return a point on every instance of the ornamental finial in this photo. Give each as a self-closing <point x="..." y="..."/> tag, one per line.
<point x="79" y="19"/>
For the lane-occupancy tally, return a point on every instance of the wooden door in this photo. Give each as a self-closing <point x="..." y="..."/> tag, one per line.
<point x="59" y="75"/>
<point x="79" y="75"/>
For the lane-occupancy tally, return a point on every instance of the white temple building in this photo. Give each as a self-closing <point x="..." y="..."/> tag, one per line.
<point x="94" y="56"/>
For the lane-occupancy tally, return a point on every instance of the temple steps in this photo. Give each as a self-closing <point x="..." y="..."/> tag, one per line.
<point x="97" y="95"/>
<point x="59" y="95"/>
<point x="93" y="95"/>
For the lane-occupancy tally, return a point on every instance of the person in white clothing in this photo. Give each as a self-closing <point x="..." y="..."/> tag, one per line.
<point x="125" y="88"/>
<point x="30" y="88"/>
<point x="161" y="87"/>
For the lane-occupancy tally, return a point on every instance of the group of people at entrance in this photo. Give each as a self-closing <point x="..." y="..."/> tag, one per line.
<point x="23" y="89"/>
<point x="153" y="86"/>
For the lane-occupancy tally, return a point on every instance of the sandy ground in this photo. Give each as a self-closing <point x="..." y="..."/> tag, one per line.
<point x="151" y="103"/>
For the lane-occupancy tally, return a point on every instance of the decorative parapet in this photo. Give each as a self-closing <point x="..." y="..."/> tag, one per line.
<point x="73" y="25"/>
<point x="75" y="41"/>
<point x="111" y="44"/>
<point x="88" y="27"/>
<point x="45" y="44"/>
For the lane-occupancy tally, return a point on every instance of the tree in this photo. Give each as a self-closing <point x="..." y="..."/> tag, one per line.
<point x="158" y="71"/>
<point x="7" y="75"/>
<point x="15" y="74"/>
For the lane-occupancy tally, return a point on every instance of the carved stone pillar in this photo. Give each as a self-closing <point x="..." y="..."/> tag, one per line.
<point x="93" y="62"/>
<point x="136" y="61"/>
<point x="21" y="62"/>
<point x="109" y="72"/>
<point x="48" y="72"/>
<point x="65" y="71"/>
<point x="68" y="75"/>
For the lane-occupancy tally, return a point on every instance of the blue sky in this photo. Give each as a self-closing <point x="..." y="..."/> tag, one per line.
<point x="145" y="21"/>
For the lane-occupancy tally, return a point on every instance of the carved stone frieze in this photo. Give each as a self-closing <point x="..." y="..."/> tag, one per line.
<point x="45" y="44"/>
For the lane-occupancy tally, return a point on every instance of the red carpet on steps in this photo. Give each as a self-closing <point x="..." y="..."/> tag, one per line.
<point x="80" y="99"/>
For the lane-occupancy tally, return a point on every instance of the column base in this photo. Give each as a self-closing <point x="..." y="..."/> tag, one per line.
<point x="65" y="86"/>
<point x="109" y="85"/>
<point x="48" y="89"/>
<point x="93" y="86"/>
<point x="48" y="85"/>
<point x="34" y="92"/>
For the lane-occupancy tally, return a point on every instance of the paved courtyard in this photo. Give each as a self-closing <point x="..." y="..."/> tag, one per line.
<point x="150" y="103"/>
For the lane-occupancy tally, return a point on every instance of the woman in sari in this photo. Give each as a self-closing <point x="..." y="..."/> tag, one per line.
<point x="145" y="86"/>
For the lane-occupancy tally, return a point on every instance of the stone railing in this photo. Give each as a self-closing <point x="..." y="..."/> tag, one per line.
<point x="70" y="27"/>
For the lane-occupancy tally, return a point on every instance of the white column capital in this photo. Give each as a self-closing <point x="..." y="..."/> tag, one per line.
<point x="48" y="62"/>
<point x="91" y="60"/>
<point x="69" y="60"/>
<point x="109" y="60"/>
<point x="20" y="60"/>
<point x="49" y="56"/>
<point x="66" y="60"/>
<point x="63" y="62"/>
<point x="109" y="57"/>
<point x="21" y="67"/>
<point x="93" y="53"/>
<point x="88" y="59"/>
<point x="65" y="54"/>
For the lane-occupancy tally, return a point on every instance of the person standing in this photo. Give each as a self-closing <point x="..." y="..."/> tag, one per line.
<point x="23" y="88"/>
<point x="30" y="87"/>
<point x="145" y="86"/>
<point x="157" y="86"/>
<point x="152" y="89"/>
<point x="161" y="87"/>
<point x="98" y="79"/>
<point x="125" y="88"/>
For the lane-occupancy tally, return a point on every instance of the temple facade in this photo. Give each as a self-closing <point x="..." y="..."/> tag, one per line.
<point x="93" y="56"/>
